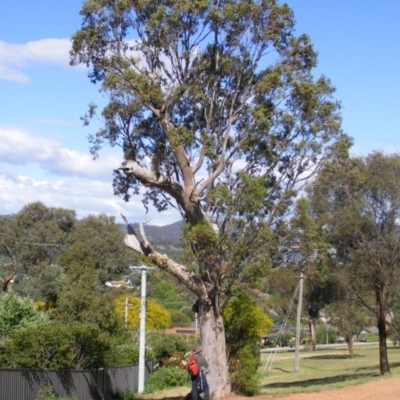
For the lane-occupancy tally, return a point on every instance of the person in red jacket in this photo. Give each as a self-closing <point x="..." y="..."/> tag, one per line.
<point x="199" y="382"/>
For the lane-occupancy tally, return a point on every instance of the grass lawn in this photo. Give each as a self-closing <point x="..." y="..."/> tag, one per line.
<point x="325" y="369"/>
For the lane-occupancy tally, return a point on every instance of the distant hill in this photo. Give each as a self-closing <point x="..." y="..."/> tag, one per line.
<point x="166" y="239"/>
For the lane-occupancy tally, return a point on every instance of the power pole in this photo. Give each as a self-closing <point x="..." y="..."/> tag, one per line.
<point x="142" y="329"/>
<point x="299" y="307"/>
<point x="126" y="305"/>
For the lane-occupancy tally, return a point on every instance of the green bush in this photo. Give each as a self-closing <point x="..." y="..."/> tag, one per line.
<point x="164" y="347"/>
<point x="323" y="334"/>
<point x="243" y="368"/>
<point x="58" y="346"/>
<point x="47" y="393"/>
<point x="179" y="318"/>
<point x="245" y="322"/>
<point x="127" y="395"/>
<point x="124" y="354"/>
<point x="165" y="378"/>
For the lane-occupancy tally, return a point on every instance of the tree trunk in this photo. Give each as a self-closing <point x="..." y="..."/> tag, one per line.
<point x="214" y="350"/>
<point x="383" y="357"/>
<point x="350" y="343"/>
<point x="313" y="339"/>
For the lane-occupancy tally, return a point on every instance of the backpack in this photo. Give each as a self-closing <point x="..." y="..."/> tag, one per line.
<point x="193" y="367"/>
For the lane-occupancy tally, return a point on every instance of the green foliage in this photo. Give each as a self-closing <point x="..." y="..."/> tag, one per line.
<point x="56" y="346"/>
<point x="165" y="293"/>
<point x="165" y="347"/>
<point x="205" y="113"/>
<point x="34" y="239"/>
<point x="103" y="241"/>
<point x="47" y="393"/>
<point x="18" y="313"/>
<point x="124" y="354"/>
<point x="127" y="395"/>
<point x="245" y="323"/>
<point x="324" y="335"/>
<point x="349" y="317"/>
<point x="165" y="378"/>
<point x="358" y="202"/>
<point x="179" y="319"/>
<point x="243" y="367"/>
<point x="81" y="298"/>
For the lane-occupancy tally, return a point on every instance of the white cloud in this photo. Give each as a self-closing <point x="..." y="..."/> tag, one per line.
<point x="14" y="58"/>
<point x="74" y="180"/>
<point x="19" y="148"/>
<point x="84" y="196"/>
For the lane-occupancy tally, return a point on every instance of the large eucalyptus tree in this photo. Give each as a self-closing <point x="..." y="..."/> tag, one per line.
<point x="218" y="114"/>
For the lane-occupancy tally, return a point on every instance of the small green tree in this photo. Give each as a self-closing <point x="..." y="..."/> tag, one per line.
<point x="82" y="298"/>
<point x="32" y="241"/>
<point x="102" y="238"/>
<point x="245" y="323"/>
<point x="17" y="313"/>
<point x="350" y="318"/>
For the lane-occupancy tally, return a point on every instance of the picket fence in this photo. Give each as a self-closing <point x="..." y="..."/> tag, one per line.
<point x="100" y="384"/>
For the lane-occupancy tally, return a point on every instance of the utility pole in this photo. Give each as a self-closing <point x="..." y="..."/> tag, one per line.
<point x="142" y="329"/>
<point x="126" y="305"/>
<point x="299" y="307"/>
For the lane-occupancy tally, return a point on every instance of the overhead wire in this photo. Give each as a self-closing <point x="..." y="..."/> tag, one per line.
<point x="272" y="354"/>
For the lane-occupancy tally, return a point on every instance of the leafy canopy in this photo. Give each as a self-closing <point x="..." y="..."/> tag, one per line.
<point x="217" y="113"/>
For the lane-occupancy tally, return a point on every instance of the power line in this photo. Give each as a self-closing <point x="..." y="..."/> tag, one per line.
<point x="34" y="243"/>
<point x="42" y="244"/>
<point x="38" y="277"/>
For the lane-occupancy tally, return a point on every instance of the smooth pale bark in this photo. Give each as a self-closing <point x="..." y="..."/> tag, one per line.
<point x="213" y="340"/>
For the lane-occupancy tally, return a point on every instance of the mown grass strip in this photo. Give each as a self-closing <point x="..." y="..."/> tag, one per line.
<point x="325" y="369"/>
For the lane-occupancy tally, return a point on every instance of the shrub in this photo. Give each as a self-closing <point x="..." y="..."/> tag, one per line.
<point x="165" y="378"/>
<point x="47" y="393"/>
<point x="57" y="346"/>
<point x="124" y="354"/>
<point x="127" y="395"/>
<point x="243" y="368"/>
<point x="167" y="347"/>
<point x="245" y="322"/>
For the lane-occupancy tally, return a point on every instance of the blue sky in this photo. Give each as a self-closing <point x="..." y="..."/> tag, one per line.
<point x="44" y="154"/>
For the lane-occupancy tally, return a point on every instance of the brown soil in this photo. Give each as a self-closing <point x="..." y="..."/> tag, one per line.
<point x="385" y="389"/>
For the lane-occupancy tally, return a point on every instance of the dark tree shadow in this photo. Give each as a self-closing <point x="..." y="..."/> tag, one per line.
<point x="334" y="357"/>
<point x="320" y="382"/>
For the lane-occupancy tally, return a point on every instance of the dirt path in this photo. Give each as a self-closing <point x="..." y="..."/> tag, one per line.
<point x="385" y="389"/>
